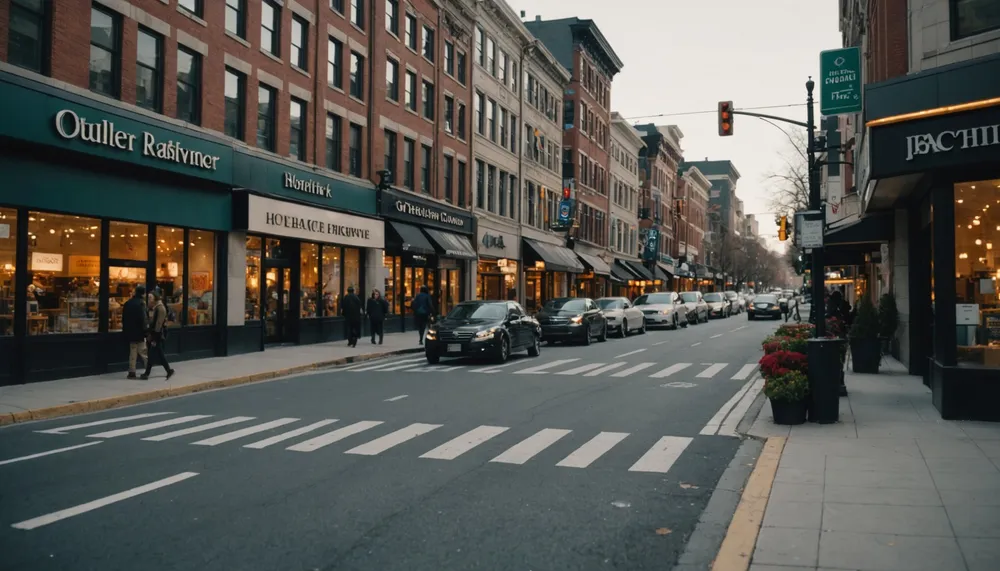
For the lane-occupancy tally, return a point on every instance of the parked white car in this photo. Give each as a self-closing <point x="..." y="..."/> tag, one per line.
<point x="697" y="309"/>
<point x="622" y="316"/>
<point x="663" y="309"/>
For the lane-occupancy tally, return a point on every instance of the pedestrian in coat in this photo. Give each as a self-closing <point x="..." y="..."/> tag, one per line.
<point x="157" y="336"/>
<point x="377" y="308"/>
<point x="135" y="323"/>
<point x="352" y="308"/>
<point x="423" y="309"/>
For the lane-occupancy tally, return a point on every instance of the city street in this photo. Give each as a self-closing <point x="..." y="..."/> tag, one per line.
<point x="587" y="457"/>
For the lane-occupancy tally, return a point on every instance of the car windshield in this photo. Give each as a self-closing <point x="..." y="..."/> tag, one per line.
<point x="566" y="304"/>
<point x="731" y="295"/>
<point x="464" y="311"/>
<point x="690" y="296"/>
<point x="713" y="297"/>
<point x="655" y="298"/>
<point x="765" y="298"/>
<point x="610" y="303"/>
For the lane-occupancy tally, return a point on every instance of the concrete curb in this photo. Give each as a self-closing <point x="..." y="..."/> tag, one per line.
<point x="126" y="400"/>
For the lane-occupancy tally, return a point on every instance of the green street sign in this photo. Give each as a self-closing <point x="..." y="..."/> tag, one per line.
<point x="840" y="81"/>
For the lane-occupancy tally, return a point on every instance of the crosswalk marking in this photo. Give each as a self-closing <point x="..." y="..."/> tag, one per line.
<point x="236" y="434"/>
<point x="493" y="368"/>
<point x="662" y="455"/>
<point x="384" y="366"/>
<point x="148" y="427"/>
<point x="675" y="368"/>
<point x="744" y="372"/>
<point x="396" y="438"/>
<point x="370" y="364"/>
<point x="290" y="434"/>
<point x="712" y="370"/>
<point x="336" y="436"/>
<point x="62" y="429"/>
<point x="199" y="428"/>
<point x="595" y="448"/>
<point x="435" y="369"/>
<point x="634" y="369"/>
<point x="581" y="369"/>
<point x="605" y="369"/>
<point x="462" y="444"/>
<point x="529" y="447"/>
<point x="540" y="369"/>
<point x="400" y="367"/>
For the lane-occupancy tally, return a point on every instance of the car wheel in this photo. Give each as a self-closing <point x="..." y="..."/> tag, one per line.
<point x="550" y="343"/>
<point x="504" y="351"/>
<point x="685" y="323"/>
<point x="749" y="317"/>
<point x="642" y="328"/>
<point x="604" y="333"/>
<point x="586" y="336"/>
<point x="624" y="332"/>
<point x="536" y="347"/>
<point x="433" y="358"/>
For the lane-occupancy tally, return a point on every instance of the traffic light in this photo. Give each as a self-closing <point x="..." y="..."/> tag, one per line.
<point x="783" y="228"/>
<point x="566" y="193"/>
<point x="725" y="118"/>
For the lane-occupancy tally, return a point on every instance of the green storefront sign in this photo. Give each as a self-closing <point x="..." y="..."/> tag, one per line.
<point x="840" y="81"/>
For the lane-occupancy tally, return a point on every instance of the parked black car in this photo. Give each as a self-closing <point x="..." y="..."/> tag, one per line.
<point x="572" y="319"/>
<point x="764" y="305"/>
<point x="491" y="329"/>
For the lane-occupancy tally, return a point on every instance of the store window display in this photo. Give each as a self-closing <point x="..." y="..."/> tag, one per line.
<point x="331" y="281"/>
<point x="252" y="305"/>
<point x="8" y="265"/>
<point x="309" y="281"/>
<point x="170" y="270"/>
<point x="64" y="257"/>
<point x="201" y="278"/>
<point x="977" y="273"/>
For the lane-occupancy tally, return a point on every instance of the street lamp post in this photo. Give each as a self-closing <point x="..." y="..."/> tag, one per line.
<point x="815" y="203"/>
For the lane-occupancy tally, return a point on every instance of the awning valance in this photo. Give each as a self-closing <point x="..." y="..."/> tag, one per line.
<point x="556" y="258"/>
<point x="661" y="272"/>
<point x="452" y="245"/>
<point x="875" y="228"/>
<point x="595" y="264"/>
<point x="640" y="270"/>
<point x="409" y="239"/>
<point x="620" y="273"/>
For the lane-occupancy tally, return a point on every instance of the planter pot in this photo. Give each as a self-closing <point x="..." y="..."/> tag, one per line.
<point x="789" y="412"/>
<point x="886" y="344"/>
<point x="866" y="354"/>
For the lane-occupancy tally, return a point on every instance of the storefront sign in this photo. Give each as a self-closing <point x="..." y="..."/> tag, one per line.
<point x="44" y="262"/>
<point x="966" y="314"/>
<point x="84" y="266"/>
<point x="494" y="243"/>
<point x="424" y="212"/>
<point x="429" y="213"/>
<point x="840" y="81"/>
<point x="71" y="126"/>
<point x="308" y="186"/>
<point x="276" y="217"/>
<point x="947" y="141"/>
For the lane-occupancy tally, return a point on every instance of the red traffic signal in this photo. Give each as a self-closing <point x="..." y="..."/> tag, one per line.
<point x="725" y="118"/>
<point x="566" y="193"/>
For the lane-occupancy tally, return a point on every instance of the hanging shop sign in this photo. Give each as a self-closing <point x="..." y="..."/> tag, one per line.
<point x="276" y="217"/>
<point x="494" y="243"/>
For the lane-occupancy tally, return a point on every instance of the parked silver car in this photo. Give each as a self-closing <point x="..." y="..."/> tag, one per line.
<point x="697" y="309"/>
<point x="718" y="305"/>
<point x="622" y="316"/>
<point x="663" y="309"/>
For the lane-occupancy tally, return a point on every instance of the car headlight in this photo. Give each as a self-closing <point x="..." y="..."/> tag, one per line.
<point x="431" y="334"/>
<point x="486" y="333"/>
<point x="577" y="319"/>
<point x="665" y="311"/>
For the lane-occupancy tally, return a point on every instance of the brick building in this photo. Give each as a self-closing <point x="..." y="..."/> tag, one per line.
<point x="659" y="165"/>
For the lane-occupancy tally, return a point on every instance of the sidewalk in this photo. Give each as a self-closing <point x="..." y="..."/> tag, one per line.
<point x="890" y="487"/>
<point x="32" y="401"/>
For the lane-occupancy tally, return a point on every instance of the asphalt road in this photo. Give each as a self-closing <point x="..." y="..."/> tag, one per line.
<point x="602" y="458"/>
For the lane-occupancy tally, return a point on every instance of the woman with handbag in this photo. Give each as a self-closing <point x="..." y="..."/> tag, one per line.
<point x="157" y="335"/>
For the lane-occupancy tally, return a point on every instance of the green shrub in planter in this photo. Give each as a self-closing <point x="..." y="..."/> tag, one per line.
<point x="787" y="392"/>
<point x="866" y="350"/>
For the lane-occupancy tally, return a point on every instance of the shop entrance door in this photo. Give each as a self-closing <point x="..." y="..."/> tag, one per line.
<point x="277" y="313"/>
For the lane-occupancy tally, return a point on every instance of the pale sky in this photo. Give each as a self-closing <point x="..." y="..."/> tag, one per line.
<point x="684" y="56"/>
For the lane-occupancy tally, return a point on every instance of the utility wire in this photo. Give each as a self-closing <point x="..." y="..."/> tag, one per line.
<point x="714" y="111"/>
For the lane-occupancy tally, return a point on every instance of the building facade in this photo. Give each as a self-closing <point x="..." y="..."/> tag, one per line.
<point x="626" y="144"/>
<point x="721" y="212"/>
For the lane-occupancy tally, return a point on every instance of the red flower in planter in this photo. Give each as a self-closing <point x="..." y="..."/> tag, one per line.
<point x="781" y="362"/>
<point x="772" y="347"/>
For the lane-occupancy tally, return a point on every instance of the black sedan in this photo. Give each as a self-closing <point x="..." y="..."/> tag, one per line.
<point x="572" y="319"/>
<point x="492" y="329"/>
<point x="764" y="305"/>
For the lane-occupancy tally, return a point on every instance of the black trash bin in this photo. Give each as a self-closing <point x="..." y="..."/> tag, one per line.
<point x="824" y="380"/>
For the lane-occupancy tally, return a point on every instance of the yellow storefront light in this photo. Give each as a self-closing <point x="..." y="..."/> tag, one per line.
<point x="935" y="112"/>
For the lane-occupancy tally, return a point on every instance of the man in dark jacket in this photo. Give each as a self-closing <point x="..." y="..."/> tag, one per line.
<point x="134" y="326"/>
<point x="376" y="309"/>
<point x="351" y="308"/>
<point x="423" y="309"/>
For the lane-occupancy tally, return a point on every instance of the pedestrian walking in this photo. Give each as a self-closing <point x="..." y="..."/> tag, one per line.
<point x="423" y="308"/>
<point x="135" y="323"/>
<point x="351" y="308"/>
<point x="157" y="336"/>
<point x="376" y="309"/>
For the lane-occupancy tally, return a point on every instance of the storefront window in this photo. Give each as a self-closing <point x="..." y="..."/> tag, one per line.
<point x="170" y="270"/>
<point x="201" y="279"/>
<point x="128" y="241"/>
<point x="122" y="281"/>
<point x="252" y="311"/>
<point x="64" y="257"/>
<point x="977" y="273"/>
<point x="8" y="257"/>
<point x="331" y="281"/>
<point x="389" y="293"/>
<point x="352" y="270"/>
<point x="309" y="280"/>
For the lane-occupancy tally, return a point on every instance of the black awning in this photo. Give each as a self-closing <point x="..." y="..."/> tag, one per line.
<point x="871" y="229"/>
<point x="452" y="245"/>
<point x="639" y="270"/>
<point x="620" y="273"/>
<point x="661" y="274"/>
<point x="409" y="239"/>
<point x="595" y="264"/>
<point x="556" y="258"/>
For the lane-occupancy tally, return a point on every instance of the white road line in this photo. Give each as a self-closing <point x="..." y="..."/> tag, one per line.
<point x="696" y="344"/>
<point x="106" y="501"/>
<point x="462" y="444"/>
<point x="595" y="448"/>
<point x="605" y="369"/>
<point x="368" y="364"/>
<point x="148" y="427"/>
<point x="738" y="328"/>
<point x="494" y="368"/>
<point x="541" y="369"/>
<point x="196" y="429"/>
<point x="384" y="366"/>
<point x="744" y="372"/>
<point x="629" y="353"/>
<point x="394" y="399"/>
<point x="430" y="369"/>
<point x="581" y="369"/>
<point x="526" y="449"/>
<point x="662" y="342"/>
<point x="711" y="371"/>
<point x="47" y="453"/>
<point x="633" y="369"/>
<point x="675" y="368"/>
<point x="62" y="429"/>
<point x="729" y="426"/>
<point x="386" y="442"/>
<point x="447" y="369"/>
<point x="290" y="434"/>
<point x="716" y="336"/>
<point x="662" y="455"/>
<point x="716" y="421"/>
<point x="243" y="432"/>
<point x="335" y="436"/>
<point x="400" y="367"/>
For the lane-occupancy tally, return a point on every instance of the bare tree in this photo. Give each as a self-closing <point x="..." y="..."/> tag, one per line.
<point x="790" y="184"/>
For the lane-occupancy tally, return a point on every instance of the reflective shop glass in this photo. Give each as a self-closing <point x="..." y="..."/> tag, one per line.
<point x="8" y="269"/>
